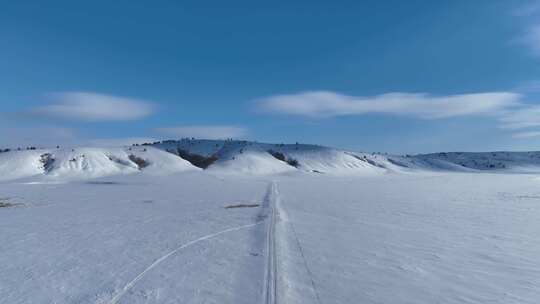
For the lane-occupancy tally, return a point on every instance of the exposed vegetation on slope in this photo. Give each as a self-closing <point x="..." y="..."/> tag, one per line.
<point x="280" y="156"/>
<point x="197" y="160"/>
<point x="140" y="162"/>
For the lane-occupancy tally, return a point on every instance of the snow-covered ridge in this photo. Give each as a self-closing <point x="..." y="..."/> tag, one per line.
<point x="244" y="157"/>
<point x="81" y="163"/>
<point x="236" y="155"/>
<point x="233" y="156"/>
<point x="519" y="162"/>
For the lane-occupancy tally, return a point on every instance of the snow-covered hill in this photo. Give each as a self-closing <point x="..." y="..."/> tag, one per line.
<point x="520" y="162"/>
<point x="244" y="157"/>
<point x="255" y="158"/>
<point x="81" y="163"/>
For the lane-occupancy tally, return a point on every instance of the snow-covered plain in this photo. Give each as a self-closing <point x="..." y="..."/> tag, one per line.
<point x="96" y="226"/>
<point x="96" y="241"/>
<point x="418" y="238"/>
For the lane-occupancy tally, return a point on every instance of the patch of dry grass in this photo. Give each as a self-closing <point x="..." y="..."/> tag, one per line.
<point x="5" y="204"/>
<point x="242" y="206"/>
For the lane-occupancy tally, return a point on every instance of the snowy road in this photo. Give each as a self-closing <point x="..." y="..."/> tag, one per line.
<point x="271" y="272"/>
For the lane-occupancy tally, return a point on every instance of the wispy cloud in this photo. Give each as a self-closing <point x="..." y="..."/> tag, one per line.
<point x="41" y="136"/>
<point x="531" y="38"/>
<point x="90" y="107"/>
<point x="528" y="87"/>
<point x="419" y="105"/>
<point x="117" y="142"/>
<point x="525" y="117"/>
<point x="530" y="14"/>
<point x="530" y="7"/>
<point x="207" y="132"/>
<point x="529" y="134"/>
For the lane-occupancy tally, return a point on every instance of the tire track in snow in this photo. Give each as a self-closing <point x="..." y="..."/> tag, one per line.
<point x="270" y="290"/>
<point x="273" y="200"/>
<point x="310" y="274"/>
<point x="129" y="285"/>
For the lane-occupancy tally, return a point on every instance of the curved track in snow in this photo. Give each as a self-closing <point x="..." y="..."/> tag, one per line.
<point x="270" y="294"/>
<point x="129" y="285"/>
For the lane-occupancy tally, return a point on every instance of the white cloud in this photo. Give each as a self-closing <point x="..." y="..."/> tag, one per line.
<point x="420" y="105"/>
<point x="526" y="134"/>
<point x="206" y="132"/>
<point x="85" y="106"/>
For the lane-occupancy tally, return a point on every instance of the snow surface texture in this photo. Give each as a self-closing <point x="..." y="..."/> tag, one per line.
<point x="399" y="238"/>
<point x="143" y="225"/>
<point x="446" y="238"/>
<point x="132" y="239"/>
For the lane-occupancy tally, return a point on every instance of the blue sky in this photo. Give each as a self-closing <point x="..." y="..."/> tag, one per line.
<point x="395" y="76"/>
